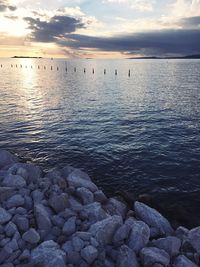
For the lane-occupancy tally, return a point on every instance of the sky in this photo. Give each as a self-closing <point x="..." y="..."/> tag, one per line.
<point x="99" y="28"/>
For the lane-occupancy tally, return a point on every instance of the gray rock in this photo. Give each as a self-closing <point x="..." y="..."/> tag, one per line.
<point x="94" y="242"/>
<point x="25" y="256"/>
<point x="170" y="244"/>
<point x="126" y="257"/>
<point x="94" y="212"/>
<point x="139" y="235"/>
<point x="182" y="261"/>
<point x="42" y="218"/>
<point x="153" y="219"/>
<point x="22" y="223"/>
<point x="89" y="254"/>
<point x="150" y="255"/>
<point x="15" y="201"/>
<point x="21" y="211"/>
<point x="116" y="207"/>
<point x="58" y="220"/>
<point x="104" y="230"/>
<point x="68" y="246"/>
<point x="181" y="232"/>
<point x="6" y="158"/>
<point x="73" y="257"/>
<point x="81" y="174"/>
<point x="78" y="243"/>
<point x="4" y="241"/>
<point x="84" y="235"/>
<point x="85" y="195"/>
<point x="37" y="196"/>
<point x="10" y="229"/>
<point x="59" y="203"/>
<point x="121" y="234"/>
<point x="194" y="238"/>
<point x="14" y="181"/>
<point x="49" y="254"/>
<point x="75" y="205"/>
<point x="6" y="192"/>
<point x="9" y="264"/>
<point x="5" y="253"/>
<point x="12" y="244"/>
<point x="70" y="226"/>
<point x="14" y="256"/>
<point x="76" y="181"/>
<point x="4" y="216"/>
<point x="31" y="236"/>
<point x="99" y="196"/>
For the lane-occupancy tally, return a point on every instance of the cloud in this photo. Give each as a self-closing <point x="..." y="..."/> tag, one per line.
<point x="149" y="43"/>
<point x="4" y="6"/>
<point x="55" y="28"/>
<point x="191" y="22"/>
<point x="140" y="5"/>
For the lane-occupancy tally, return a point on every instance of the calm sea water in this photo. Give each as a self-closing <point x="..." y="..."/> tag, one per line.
<point x="139" y="133"/>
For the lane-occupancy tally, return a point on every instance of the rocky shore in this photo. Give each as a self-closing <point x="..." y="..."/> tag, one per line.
<point x="62" y="219"/>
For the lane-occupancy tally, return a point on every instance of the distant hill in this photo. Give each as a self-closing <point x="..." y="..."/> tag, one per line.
<point x="183" y="57"/>
<point x="24" y="57"/>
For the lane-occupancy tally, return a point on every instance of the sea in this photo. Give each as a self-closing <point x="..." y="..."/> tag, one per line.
<point x="133" y="125"/>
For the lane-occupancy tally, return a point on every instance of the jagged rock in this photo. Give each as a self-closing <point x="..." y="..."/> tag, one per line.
<point x="70" y="226"/>
<point x="116" y="207"/>
<point x="85" y="195"/>
<point x="6" y="192"/>
<point x="126" y="257"/>
<point x="181" y="232"/>
<point x="194" y="238"/>
<point x="77" y="243"/>
<point x="6" y="158"/>
<point x="182" y="261"/>
<point x="121" y="234"/>
<point x="170" y="244"/>
<point x="31" y="236"/>
<point x="151" y="255"/>
<point x="59" y="203"/>
<point x="139" y="235"/>
<point x="76" y="181"/>
<point x="104" y="230"/>
<point x="89" y="254"/>
<point x="49" y="254"/>
<point x="153" y="219"/>
<point x="94" y="212"/>
<point x="42" y="218"/>
<point x="14" y="181"/>
<point x="10" y="229"/>
<point x="15" y="201"/>
<point x="4" y="216"/>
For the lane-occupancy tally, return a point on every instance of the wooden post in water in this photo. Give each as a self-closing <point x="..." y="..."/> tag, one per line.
<point x="31" y="66"/>
<point x="38" y="66"/>
<point x="84" y="70"/>
<point x="93" y="70"/>
<point x="57" y="68"/>
<point x="104" y="71"/>
<point x="66" y="69"/>
<point x="20" y="66"/>
<point x="129" y="73"/>
<point x="1" y="66"/>
<point x="74" y="69"/>
<point x="115" y="72"/>
<point x="11" y="65"/>
<point x="51" y="68"/>
<point x="16" y="65"/>
<point x="44" y="67"/>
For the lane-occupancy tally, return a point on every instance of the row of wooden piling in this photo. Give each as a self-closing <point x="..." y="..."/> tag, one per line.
<point x="57" y="68"/>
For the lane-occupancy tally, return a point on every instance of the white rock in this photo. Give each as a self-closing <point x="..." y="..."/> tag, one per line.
<point x="153" y="219"/>
<point x="49" y="254"/>
<point x="15" y="181"/>
<point x="150" y="255"/>
<point x="104" y="230"/>
<point x="126" y="257"/>
<point x="89" y="254"/>
<point x="170" y="244"/>
<point x="76" y="181"/>
<point x="194" y="238"/>
<point x="139" y="235"/>
<point x="4" y="216"/>
<point x="182" y="261"/>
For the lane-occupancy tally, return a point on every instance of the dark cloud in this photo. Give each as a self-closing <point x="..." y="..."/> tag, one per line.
<point x="50" y="31"/>
<point x="4" y="5"/>
<point x="150" y="43"/>
<point x="191" y="22"/>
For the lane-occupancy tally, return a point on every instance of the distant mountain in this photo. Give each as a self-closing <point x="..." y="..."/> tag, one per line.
<point x="25" y="57"/>
<point x="183" y="57"/>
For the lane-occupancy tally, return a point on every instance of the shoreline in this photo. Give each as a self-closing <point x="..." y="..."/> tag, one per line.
<point x="63" y="219"/>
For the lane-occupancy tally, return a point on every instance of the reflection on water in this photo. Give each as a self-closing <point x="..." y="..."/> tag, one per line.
<point x="138" y="133"/>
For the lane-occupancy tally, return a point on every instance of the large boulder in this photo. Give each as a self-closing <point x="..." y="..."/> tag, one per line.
<point x="126" y="257"/>
<point x="139" y="235"/>
<point x="104" y="230"/>
<point x="194" y="238"/>
<point x="150" y="256"/>
<point x="4" y="216"/>
<point x="6" y="159"/>
<point x="153" y="219"/>
<point x="14" y="181"/>
<point x="49" y="254"/>
<point x="182" y="261"/>
<point x="77" y="181"/>
<point x="170" y="244"/>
